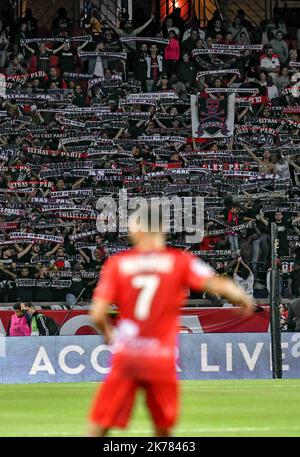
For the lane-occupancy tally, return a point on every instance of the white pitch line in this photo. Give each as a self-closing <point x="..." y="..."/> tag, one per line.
<point x="6" y="387"/>
<point x="240" y="387"/>
<point x="222" y="430"/>
<point x="189" y="431"/>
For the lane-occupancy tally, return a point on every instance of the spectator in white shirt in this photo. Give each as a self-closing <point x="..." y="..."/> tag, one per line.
<point x="244" y="277"/>
<point x="168" y="26"/>
<point x="269" y="62"/>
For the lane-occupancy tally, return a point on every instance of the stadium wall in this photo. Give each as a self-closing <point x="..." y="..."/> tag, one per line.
<point x="193" y="320"/>
<point x="201" y="356"/>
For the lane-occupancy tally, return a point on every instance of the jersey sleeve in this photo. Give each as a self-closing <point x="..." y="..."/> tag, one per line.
<point x="197" y="273"/>
<point x="107" y="286"/>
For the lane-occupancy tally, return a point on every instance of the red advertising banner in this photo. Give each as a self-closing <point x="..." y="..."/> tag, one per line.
<point x="193" y="320"/>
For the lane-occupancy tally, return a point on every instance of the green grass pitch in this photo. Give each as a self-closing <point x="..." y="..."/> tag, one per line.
<point x="209" y="408"/>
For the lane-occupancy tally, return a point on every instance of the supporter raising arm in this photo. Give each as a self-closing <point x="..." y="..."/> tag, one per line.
<point x="264" y="165"/>
<point x="60" y="48"/>
<point x="53" y="251"/>
<point x="33" y="51"/>
<point x="134" y="32"/>
<point x="43" y="47"/>
<point x="83" y="45"/>
<point x="244" y="277"/>
<point x="42" y="56"/>
<point x="22" y="252"/>
<point x="269" y="62"/>
<point x="9" y="273"/>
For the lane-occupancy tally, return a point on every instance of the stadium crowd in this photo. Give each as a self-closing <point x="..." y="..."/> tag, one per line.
<point x="87" y="110"/>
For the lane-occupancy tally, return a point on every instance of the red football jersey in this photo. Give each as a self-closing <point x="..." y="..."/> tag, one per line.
<point x="149" y="288"/>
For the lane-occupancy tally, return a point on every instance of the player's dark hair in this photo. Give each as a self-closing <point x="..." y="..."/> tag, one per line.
<point x="17" y="306"/>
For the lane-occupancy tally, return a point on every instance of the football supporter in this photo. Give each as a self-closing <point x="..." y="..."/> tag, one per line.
<point x="269" y="62"/>
<point x="243" y="276"/>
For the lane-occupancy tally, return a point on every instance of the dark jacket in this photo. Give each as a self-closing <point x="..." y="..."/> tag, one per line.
<point x="186" y="72"/>
<point x="294" y="316"/>
<point x="41" y="322"/>
<point x="140" y="67"/>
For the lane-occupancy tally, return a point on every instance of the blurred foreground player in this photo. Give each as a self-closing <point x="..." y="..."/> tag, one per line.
<point x="149" y="284"/>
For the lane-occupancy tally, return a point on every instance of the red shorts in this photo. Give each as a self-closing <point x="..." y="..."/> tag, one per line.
<point x="114" y="401"/>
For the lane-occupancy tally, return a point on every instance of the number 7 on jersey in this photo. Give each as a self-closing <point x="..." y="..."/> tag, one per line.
<point x="148" y="285"/>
